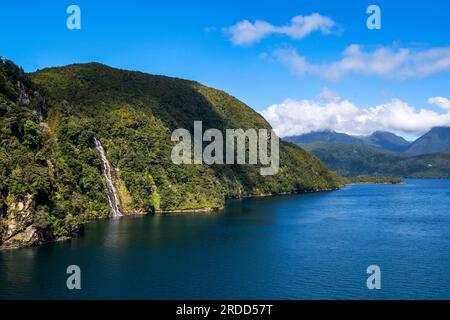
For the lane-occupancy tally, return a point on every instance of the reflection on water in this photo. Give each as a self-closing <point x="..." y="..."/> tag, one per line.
<point x="295" y="246"/>
<point x="113" y="237"/>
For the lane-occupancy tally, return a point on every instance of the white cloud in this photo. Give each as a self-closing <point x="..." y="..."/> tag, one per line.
<point x="387" y="62"/>
<point x="330" y="112"/>
<point x="442" y="102"/>
<point x="247" y="33"/>
<point x="328" y="96"/>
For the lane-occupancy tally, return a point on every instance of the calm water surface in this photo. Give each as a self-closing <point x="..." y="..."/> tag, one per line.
<point x="314" y="246"/>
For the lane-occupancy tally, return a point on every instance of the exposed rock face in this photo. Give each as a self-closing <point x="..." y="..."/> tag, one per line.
<point x="28" y="237"/>
<point x="20" y="231"/>
<point x="41" y="108"/>
<point x="23" y="98"/>
<point x="33" y="98"/>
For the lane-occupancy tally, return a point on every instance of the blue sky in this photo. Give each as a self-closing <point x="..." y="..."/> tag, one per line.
<point x="187" y="39"/>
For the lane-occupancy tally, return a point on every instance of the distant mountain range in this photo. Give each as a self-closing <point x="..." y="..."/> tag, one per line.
<point x="382" y="153"/>
<point x="353" y="160"/>
<point x="387" y="141"/>
<point x="436" y="140"/>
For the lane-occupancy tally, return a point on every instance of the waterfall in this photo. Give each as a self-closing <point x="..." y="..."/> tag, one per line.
<point x="113" y="197"/>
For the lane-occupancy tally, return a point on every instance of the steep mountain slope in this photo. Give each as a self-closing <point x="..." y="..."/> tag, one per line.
<point x="52" y="180"/>
<point x="436" y="140"/>
<point x="379" y="139"/>
<point x="356" y="160"/>
<point x="26" y="178"/>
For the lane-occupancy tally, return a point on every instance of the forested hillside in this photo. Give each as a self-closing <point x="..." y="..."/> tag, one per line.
<point x="51" y="179"/>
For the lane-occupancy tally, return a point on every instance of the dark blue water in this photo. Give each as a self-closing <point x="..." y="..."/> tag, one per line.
<point x="314" y="246"/>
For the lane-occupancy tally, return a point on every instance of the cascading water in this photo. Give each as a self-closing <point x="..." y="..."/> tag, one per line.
<point x="113" y="197"/>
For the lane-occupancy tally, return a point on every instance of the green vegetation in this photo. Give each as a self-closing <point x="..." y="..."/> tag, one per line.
<point x="61" y="180"/>
<point x="367" y="179"/>
<point x="358" y="160"/>
<point x="48" y="123"/>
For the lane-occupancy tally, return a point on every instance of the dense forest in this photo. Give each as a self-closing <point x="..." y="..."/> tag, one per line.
<point x="51" y="180"/>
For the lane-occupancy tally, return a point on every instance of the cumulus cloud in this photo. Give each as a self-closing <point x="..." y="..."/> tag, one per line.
<point x="246" y="33"/>
<point x="387" y="62"/>
<point x="330" y="112"/>
<point x="442" y="102"/>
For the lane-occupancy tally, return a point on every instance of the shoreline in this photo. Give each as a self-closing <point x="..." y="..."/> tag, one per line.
<point x="184" y="211"/>
<point x="156" y="213"/>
